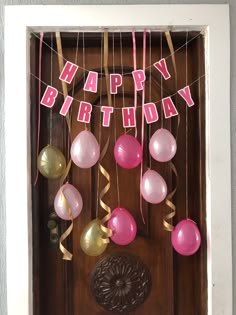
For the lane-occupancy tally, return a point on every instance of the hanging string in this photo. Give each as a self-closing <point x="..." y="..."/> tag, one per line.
<point x="51" y="69"/>
<point x="150" y="90"/>
<point x="76" y="59"/>
<point x="85" y="126"/>
<point x="61" y="66"/>
<point x="100" y="127"/>
<point x="186" y="122"/>
<point x="115" y="127"/>
<point x="142" y="130"/>
<point x="122" y="72"/>
<point x="161" y="83"/>
<point x="135" y="68"/>
<point x="127" y="73"/>
<point x="39" y="99"/>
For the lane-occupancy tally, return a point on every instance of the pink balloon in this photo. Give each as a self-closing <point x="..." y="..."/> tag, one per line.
<point x="85" y="150"/>
<point x="162" y="145"/>
<point x="153" y="187"/>
<point x="73" y="199"/>
<point x="186" y="238"/>
<point x="128" y="151"/>
<point x="123" y="226"/>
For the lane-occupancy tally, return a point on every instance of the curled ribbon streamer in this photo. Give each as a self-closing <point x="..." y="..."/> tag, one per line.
<point x="66" y="254"/>
<point x="67" y="170"/>
<point x="107" y="232"/>
<point x="168" y="226"/>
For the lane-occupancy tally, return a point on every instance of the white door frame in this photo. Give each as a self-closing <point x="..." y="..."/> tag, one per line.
<point x="214" y="21"/>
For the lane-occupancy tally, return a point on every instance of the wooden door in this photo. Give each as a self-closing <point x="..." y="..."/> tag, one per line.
<point x="174" y="284"/>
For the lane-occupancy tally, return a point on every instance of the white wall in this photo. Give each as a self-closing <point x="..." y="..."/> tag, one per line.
<point x="3" y="293"/>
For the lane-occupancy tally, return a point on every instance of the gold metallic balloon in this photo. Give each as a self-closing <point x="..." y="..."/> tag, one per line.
<point x="51" y="162"/>
<point x="91" y="240"/>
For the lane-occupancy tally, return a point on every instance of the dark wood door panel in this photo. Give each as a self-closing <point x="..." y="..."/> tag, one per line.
<point x="178" y="283"/>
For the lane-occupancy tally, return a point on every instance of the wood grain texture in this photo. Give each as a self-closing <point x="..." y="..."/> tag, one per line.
<point x="3" y="296"/>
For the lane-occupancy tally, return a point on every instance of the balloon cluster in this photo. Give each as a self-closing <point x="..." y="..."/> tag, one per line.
<point x="85" y="153"/>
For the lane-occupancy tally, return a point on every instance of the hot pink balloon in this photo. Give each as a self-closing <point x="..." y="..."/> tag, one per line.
<point x="162" y="145"/>
<point x="186" y="238"/>
<point x="153" y="187"/>
<point x="73" y="199"/>
<point x="85" y="150"/>
<point x="128" y="151"/>
<point x="123" y="226"/>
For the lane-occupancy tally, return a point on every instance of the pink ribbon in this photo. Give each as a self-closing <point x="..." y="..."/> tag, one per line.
<point x="39" y="99"/>
<point x="142" y="130"/>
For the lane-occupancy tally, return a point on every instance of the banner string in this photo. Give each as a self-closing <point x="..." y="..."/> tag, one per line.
<point x="142" y="128"/>
<point x="127" y="73"/>
<point x="39" y="100"/>
<point x="120" y="108"/>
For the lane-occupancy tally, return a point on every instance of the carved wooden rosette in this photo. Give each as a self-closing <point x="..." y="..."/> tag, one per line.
<point x="120" y="282"/>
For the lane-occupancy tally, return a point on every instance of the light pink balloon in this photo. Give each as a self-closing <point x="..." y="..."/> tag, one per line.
<point x="153" y="187"/>
<point x="128" y="151"/>
<point x="85" y="150"/>
<point x="186" y="238"/>
<point x="73" y="199"/>
<point x="123" y="226"/>
<point x="162" y="145"/>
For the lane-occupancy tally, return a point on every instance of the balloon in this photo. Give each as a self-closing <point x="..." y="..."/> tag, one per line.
<point x="123" y="226"/>
<point x="128" y="151"/>
<point x="153" y="187"/>
<point x="74" y="201"/>
<point x="162" y="145"/>
<point x="186" y="238"/>
<point x="51" y="162"/>
<point x="91" y="240"/>
<point x="85" y="150"/>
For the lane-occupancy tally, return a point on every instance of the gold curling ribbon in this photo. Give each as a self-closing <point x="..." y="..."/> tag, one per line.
<point x="65" y="93"/>
<point x="107" y="232"/>
<point x="167" y="225"/>
<point x="66" y="254"/>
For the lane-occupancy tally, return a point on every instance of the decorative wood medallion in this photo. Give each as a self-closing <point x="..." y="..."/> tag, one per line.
<point x="120" y="282"/>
